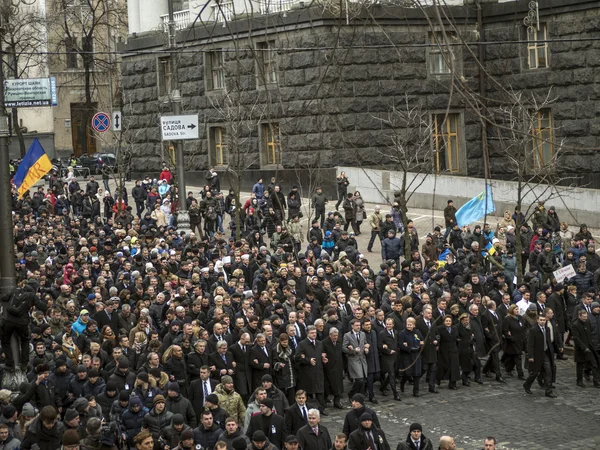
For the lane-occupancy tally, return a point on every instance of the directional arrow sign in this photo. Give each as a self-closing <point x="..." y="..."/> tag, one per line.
<point x="117" y="121"/>
<point x="178" y="128"/>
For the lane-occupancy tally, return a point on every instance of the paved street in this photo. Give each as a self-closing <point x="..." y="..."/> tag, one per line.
<point x="516" y="420"/>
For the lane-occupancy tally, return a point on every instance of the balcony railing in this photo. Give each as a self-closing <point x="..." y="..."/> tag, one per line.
<point x="182" y="20"/>
<point x="223" y="12"/>
<point x="275" y="6"/>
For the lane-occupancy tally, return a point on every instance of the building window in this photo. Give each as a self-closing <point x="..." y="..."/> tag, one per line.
<point x="219" y="153"/>
<point x="272" y="143"/>
<point x="71" y="51"/>
<point x="215" y="72"/>
<point x="441" y="55"/>
<point x="537" y="47"/>
<point x="267" y="63"/>
<point x="446" y="142"/>
<point x="165" y="76"/>
<point x="542" y="143"/>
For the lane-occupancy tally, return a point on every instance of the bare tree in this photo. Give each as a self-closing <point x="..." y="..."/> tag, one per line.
<point x="408" y="130"/>
<point x="524" y="143"/>
<point x="22" y="36"/>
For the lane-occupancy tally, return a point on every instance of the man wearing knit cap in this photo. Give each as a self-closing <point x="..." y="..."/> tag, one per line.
<point x="70" y="440"/>
<point x="415" y="440"/>
<point x="218" y="413"/>
<point x="123" y="377"/>
<point x="158" y="418"/>
<point x="367" y="436"/>
<point x="239" y="443"/>
<point x="352" y="419"/>
<point x="131" y="420"/>
<point x="230" y="400"/>
<point x="268" y="421"/>
<point x="177" y="404"/>
<point x="72" y="420"/>
<point x="187" y="440"/>
<point x="9" y="418"/>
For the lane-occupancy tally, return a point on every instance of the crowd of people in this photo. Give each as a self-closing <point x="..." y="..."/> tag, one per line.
<point x="134" y="334"/>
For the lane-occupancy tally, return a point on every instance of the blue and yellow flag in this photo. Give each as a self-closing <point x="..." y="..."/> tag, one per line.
<point x="476" y="208"/>
<point x="34" y="166"/>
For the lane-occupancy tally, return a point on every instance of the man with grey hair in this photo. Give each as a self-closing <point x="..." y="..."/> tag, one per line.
<point x="222" y="361"/>
<point x="260" y="360"/>
<point x="314" y="436"/>
<point x="126" y="320"/>
<point x="333" y="365"/>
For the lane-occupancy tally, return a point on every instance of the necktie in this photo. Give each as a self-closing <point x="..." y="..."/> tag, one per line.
<point x="428" y="324"/>
<point x="417" y="444"/>
<point x="442" y="313"/>
<point x="265" y="350"/>
<point x="392" y="333"/>
<point x="316" y="430"/>
<point x="224" y="359"/>
<point x="293" y="343"/>
<point x="303" y="408"/>
<point x="244" y="348"/>
<point x="357" y="338"/>
<point x="371" y="441"/>
<point x="545" y="343"/>
<point x="587" y="308"/>
<point x="205" y="390"/>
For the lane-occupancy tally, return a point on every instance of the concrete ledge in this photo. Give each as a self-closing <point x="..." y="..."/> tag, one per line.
<point x="573" y="205"/>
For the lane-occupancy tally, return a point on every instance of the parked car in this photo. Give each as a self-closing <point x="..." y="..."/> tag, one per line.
<point x="97" y="161"/>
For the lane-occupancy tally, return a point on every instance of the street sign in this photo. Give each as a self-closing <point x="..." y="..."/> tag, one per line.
<point x="30" y="92"/>
<point x="117" y="121"/>
<point x="101" y="122"/>
<point x="179" y="128"/>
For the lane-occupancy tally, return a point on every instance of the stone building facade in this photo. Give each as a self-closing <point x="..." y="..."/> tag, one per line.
<point x="317" y="88"/>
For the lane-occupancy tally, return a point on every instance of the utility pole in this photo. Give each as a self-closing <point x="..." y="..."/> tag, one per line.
<point x="183" y="218"/>
<point x="7" y="252"/>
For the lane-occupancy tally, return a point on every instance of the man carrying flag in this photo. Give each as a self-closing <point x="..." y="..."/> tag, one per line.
<point x="34" y="166"/>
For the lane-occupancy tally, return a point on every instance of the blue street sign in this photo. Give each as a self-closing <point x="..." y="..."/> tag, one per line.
<point x="101" y="122"/>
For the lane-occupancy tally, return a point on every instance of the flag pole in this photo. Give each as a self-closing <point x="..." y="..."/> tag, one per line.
<point x="7" y="252"/>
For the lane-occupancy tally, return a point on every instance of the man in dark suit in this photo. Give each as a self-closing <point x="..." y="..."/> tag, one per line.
<point x="309" y="361"/>
<point x="427" y="327"/>
<point x="296" y="416"/>
<point x="502" y="309"/>
<point x="440" y="311"/>
<point x="200" y="389"/>
<point x="387" y="342"/>
<point x="222" y="360"/>
<point x="492" y="329"/>
<point x="333" y="367"/>
<point x="540" y="355"/>
<point x="585" y="354"/>
<point x="108" y="316"/>
<point x="314" y="436"/>
<point x="242" y="375"/>
<point x="260" y="360"/>
<point x="217" y="336"/>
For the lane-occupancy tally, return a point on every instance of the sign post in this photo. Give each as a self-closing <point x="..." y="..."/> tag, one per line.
<point x="179" y="128"/>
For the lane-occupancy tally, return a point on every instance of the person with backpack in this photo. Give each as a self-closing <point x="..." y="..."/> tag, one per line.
<point x="15" y="320"/>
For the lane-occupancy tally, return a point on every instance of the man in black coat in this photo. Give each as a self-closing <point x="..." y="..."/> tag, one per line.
<point x="333" y="367"/>
<point x="309" y="359"/>
<point x="585" y="354"/>
<point x="296" y="416"/>
<point x="367" y="436"/>
<point x="108" y="316"/>
<point x="425" y="324"/>
<point x="314" y="436"/>
<point x="242" y="375"/>
<point x="540" y="354"/>
<point x="269" y="423"/>
<point x="352" y="419"/>
<point x="260" y="360"/>
<point x="388" y="349"/>
<point x="492" y="328"/>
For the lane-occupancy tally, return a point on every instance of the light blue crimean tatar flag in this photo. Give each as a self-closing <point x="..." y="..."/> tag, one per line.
<point x="476" y="208"/>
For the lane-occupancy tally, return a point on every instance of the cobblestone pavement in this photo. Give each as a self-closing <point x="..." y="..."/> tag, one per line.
<point x="517" y="421"/>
